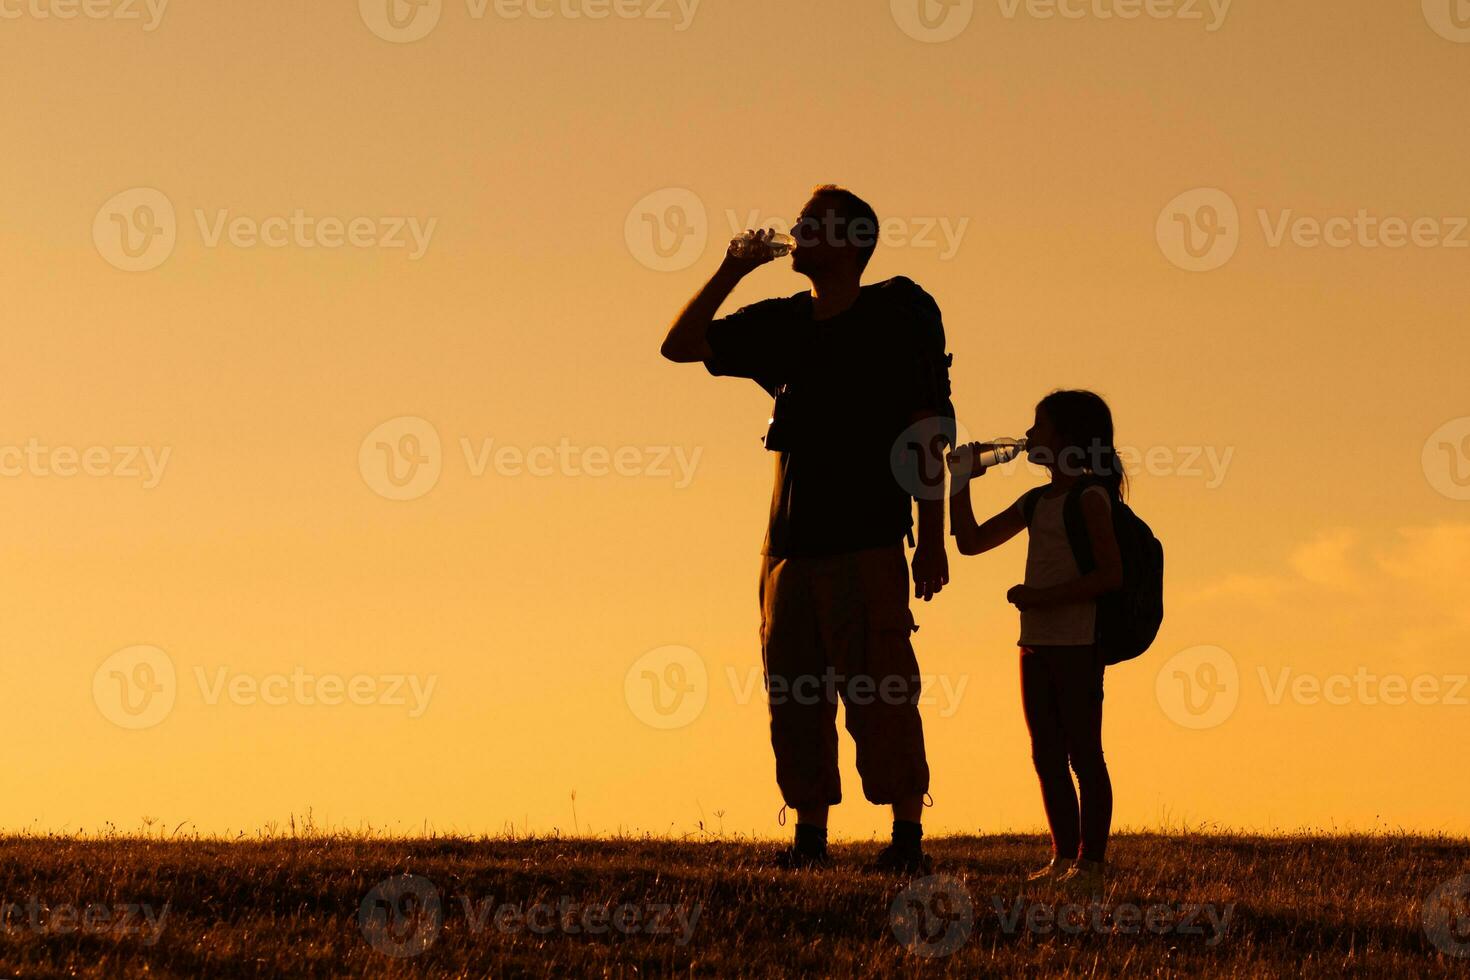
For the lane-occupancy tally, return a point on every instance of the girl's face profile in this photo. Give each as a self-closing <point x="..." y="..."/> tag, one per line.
<point x="1041" y="440"/>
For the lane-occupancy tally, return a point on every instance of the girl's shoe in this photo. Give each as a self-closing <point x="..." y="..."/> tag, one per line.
<point x="1054" y="869"/>
<point x="1085" y="877"/>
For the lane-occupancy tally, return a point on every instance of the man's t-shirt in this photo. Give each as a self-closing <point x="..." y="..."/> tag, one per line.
<point x="852" y="383"/>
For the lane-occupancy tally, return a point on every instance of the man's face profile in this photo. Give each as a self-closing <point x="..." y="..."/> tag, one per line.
<point x="827" y="240"/>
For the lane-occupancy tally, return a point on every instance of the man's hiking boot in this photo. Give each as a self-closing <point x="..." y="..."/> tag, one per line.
<point x="809" y="850"/>
<point x="899" y="860"/>
<point x="800" y="859"/>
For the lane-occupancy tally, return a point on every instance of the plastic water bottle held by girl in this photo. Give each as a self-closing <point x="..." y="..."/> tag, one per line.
<point x="975" y="458"/>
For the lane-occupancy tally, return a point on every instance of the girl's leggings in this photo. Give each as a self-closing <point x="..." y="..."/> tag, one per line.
<point x="1062" y="696"/>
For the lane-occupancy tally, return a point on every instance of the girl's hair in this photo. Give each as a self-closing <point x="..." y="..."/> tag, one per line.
<point x="1085" y="424"/>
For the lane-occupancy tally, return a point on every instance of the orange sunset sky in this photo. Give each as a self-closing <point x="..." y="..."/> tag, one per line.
<point x="254" y="255"/>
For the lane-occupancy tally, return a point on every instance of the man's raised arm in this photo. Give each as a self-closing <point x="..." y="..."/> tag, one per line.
<point x="688" y="342"/>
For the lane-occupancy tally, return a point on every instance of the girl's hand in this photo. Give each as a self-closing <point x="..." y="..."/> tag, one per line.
<point x="964" y="462"/>
<point x="1024" y="597"/>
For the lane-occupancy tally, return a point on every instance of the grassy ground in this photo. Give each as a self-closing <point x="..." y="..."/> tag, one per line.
<point x="1182" y="905"/>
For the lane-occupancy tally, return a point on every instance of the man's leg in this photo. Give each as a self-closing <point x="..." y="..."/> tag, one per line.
<point x="869" y="636"/>
<point x="802" y="706"/>
<point x="910" y="809"/>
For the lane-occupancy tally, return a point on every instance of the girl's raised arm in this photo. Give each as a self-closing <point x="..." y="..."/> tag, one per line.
<point x="972" y="538"/>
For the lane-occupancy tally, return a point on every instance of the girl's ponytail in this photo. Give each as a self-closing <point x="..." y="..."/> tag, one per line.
<point x="1109" y="469"/>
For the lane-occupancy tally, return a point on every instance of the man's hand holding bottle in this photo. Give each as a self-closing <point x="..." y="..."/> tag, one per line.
<point x="753" y="249"/>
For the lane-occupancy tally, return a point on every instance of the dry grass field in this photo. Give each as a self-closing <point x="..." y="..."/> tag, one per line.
<point x="323" y="906"/>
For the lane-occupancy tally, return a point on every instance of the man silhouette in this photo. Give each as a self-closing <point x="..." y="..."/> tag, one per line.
<point x="859" y="376"/>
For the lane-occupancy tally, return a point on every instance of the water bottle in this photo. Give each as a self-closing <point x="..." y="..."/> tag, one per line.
<point x="747" y="246"/>
<point x="975" y="458"/>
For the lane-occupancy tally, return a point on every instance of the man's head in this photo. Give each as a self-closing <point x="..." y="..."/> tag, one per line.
<point x="835" y="235"/>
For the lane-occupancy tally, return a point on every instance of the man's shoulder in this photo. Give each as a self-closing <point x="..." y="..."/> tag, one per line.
<point x="907" y="297"/>
<point x="907" y="300"/>
<point x="900" y="289"/>
<point x="777" y="306"/>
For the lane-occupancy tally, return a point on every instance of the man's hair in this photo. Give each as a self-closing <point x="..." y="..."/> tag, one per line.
<point x="859" y="220"/>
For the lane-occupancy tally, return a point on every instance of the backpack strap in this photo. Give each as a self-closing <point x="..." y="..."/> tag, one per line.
<point x="1076" y="525"/>
<point x="1029" y="502"/>
<point x="922" y="331"/>
<point x="1072" y="520"/>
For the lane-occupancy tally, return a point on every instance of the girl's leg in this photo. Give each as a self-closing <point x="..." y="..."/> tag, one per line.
<point x="1080" y="697"/>
<point x="1049" y="750"/>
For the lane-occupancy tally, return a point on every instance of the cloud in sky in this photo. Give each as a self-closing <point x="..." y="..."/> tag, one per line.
<point x="1402" y="596"/>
